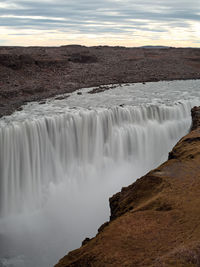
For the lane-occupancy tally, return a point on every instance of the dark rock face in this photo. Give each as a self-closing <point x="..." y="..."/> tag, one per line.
<point x="85" y="241"/>
<point x="195" y="118"/>
<point x="83" y="58"/>
<point x="130" y="197"/>
<point x="155" y="221"/>
<point x="180" y="151"/>
<point x="15" y="62"/>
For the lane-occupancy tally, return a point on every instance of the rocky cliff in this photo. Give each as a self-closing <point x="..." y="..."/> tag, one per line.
<point x="156" y="220"/>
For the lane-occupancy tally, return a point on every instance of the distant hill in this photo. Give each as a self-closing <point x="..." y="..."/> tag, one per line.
<point x="155" y="46"/>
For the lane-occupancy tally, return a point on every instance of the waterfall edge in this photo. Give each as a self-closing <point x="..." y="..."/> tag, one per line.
<point x="155" y="220"/>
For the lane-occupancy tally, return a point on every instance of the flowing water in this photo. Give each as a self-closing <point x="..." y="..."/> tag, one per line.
<point x="60" y="161"/>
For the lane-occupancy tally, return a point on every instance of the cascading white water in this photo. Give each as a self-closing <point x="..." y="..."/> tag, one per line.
<point x="35" y="153"/>
<point x="59" y="165"/>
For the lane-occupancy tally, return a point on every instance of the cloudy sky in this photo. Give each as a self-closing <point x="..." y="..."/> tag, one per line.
<point x="102" y="22"/>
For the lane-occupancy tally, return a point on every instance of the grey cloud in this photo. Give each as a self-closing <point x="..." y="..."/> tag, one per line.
<point x="45" y="24"/>
<point x="75" y="15"/>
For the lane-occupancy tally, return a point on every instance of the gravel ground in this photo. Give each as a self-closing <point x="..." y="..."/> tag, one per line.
<point x="35" y="73"/>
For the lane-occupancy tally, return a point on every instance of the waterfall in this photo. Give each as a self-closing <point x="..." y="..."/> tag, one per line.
<point x="61" y="161"/>
<point x="36" y="153"/>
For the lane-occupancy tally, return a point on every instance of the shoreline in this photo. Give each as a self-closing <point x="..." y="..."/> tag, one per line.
<point x="37" y="73"/>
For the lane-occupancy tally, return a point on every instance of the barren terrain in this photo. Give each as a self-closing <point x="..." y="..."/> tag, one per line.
<point x="34" y="73"/>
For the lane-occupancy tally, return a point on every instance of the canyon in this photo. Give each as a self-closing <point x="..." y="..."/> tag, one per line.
<point x="154" y="221"/>
<point x="63" y="149"/>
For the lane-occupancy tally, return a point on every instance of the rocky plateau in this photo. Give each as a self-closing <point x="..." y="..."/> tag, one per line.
<point x="35" y="73"/>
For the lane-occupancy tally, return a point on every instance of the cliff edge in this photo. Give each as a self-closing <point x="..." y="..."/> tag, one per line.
<point x="156" y="220"/>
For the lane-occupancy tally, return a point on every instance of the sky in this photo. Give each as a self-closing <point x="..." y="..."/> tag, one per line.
<point x="100" y="22"/>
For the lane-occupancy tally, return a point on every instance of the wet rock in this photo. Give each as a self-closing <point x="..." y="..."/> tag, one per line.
<point x="195" y="118"/>
<point x="61" y="97"/>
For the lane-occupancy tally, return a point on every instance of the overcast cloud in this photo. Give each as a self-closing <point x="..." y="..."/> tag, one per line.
<point x="105" y="21"/>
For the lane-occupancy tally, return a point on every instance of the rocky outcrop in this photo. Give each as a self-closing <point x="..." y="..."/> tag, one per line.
<point x="195" y="118"/>
<point x="156" y="220"/>
<point x="133" y="196"/>
<point x="16" y="62"/>
<point x="83" y="58"/>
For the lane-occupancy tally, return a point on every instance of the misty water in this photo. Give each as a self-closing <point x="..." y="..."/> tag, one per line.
<point x="61" y="160"/>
